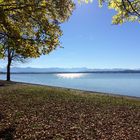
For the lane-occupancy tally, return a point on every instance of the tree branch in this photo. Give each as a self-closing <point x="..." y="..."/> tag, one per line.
<point x="133" y="9"/>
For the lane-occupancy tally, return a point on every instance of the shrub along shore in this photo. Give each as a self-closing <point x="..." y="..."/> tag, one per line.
<point x="41" y="112"/>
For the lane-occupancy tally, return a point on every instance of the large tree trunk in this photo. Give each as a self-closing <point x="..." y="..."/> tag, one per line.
<point x="8" y="70"/>
<point x="9" y="65"/>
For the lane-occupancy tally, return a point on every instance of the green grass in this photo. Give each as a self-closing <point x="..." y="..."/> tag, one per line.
<point x="47" y="93"/>
<point x="41" y="112"/>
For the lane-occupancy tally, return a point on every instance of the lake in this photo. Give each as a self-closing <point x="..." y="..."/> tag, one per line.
<point x="116" y="83"/>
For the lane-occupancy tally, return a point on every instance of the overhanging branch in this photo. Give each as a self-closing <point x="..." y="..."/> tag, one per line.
<point x="135" y="12"/>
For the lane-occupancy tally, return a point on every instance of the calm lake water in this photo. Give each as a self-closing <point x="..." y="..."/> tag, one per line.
<point x="116" y="83"/>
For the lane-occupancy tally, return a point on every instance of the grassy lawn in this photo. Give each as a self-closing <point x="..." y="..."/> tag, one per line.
<point x="38" y="112"/>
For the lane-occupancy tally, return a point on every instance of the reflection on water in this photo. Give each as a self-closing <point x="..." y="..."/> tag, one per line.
<point x="70" y="75"/>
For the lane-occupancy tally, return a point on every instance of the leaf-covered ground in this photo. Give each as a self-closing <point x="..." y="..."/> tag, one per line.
<point x="44" y="113"/>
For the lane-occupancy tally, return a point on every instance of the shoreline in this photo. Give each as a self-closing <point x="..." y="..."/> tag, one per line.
<point x="80" y="91"/>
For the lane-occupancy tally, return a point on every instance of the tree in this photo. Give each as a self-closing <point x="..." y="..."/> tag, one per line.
<point x="126" y="10"/>
<point x="30" y="28"/>
<point x="11" y="55"/>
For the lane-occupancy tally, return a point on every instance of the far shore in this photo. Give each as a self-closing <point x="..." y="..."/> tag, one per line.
<point x="59" y="72"/>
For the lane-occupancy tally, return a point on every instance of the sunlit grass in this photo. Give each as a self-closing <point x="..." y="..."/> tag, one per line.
<point x="44" y="92"/>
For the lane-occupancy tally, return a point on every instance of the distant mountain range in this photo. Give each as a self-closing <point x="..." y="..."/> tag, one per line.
<point x="61" y="70"/>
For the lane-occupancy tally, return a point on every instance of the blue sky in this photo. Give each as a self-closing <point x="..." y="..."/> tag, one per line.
<point x="90" y="40"/>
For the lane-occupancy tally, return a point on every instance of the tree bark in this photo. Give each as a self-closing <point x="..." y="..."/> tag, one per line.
<point x="8" y="71"/>
<point x="9" y="66"/>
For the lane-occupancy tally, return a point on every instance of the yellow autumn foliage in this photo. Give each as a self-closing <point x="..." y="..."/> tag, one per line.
<point x="30" y="24"/>
<point x="127" y="10"/>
